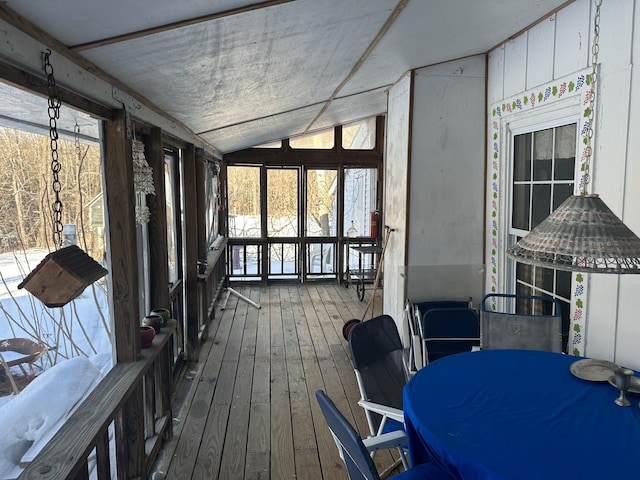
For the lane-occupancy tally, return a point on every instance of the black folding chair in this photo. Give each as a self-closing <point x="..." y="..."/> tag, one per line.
<point x="377" y="357"/>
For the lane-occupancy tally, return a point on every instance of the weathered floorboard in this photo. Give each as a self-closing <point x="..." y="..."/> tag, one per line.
<point x="250" y="411"/>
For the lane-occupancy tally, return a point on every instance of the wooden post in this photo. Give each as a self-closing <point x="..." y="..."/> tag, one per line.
<point x="123" y="267"/>
<point x="201" y="198"/>
<point x="191" y="253"/>
<point x="121" y="231"/>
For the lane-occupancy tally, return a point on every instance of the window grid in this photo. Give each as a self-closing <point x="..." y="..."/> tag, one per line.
<point x="543" y="177"/>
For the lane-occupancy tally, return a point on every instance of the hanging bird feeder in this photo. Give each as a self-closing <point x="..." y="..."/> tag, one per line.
<point x="64" y="274"/>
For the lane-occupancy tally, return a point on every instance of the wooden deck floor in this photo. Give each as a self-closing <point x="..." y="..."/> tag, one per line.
<point x="247" y="410"/>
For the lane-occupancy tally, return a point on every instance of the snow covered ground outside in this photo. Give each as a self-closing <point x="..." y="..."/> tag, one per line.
<point x="79" y="356"/>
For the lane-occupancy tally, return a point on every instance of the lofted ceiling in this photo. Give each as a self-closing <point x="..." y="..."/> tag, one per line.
<point x="240" y="73"/>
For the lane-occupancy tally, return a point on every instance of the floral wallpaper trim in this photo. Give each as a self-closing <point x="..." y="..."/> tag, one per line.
<point x="576" y="84"/>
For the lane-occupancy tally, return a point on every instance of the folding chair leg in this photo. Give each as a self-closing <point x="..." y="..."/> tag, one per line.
<point x="417" y="352"/>
<point x="400" y="461"/>
<point x="391" y="468"/>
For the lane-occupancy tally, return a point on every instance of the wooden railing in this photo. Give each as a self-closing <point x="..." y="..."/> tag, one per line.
<point x="133" y="403"/>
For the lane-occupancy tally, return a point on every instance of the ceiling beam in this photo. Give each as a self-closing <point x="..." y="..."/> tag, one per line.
<point x="387" y="25"/>
<point x="174" y="25"/>
<point x="284" y="112"/>
<point x="39" y="85"/>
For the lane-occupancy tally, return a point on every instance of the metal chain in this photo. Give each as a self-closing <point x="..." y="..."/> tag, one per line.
<point x="54" y="115"/>
<point x="76" y="141"/>
<point x="595" y="49"/>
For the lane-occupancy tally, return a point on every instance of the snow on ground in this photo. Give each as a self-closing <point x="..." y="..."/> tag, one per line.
<point x="79" y="356"/>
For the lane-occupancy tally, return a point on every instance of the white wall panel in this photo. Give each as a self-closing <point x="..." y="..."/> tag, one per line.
<point x="495" y="88"/>
<point x="540" y="51"/>
<point x="616" y="33"/>
<point x="628" y="325"/>
<point x="515" y="65"/>
<point x="446" y="164"/>
<point x="608" y="180"/>
<point x="395" y="195"/>
<point x="446" y="193"/>
<point x="572" y="38"/>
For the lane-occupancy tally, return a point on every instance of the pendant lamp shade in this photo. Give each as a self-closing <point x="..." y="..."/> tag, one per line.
<point x="581" y="235"/>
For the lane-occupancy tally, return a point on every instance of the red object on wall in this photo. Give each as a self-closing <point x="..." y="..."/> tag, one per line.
<point x="374" y="225"/>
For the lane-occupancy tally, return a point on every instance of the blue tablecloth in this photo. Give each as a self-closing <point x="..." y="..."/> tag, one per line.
<point x="518" y="415"/>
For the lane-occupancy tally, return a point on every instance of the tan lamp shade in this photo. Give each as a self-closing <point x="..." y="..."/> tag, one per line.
<point x="62" y="276"/>
<point x="581" y="235"/>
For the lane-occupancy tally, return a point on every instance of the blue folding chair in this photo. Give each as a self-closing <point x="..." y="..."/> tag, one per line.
<point x="415" y="314"/>
<point x="356" y="453"/>
<point x="447" y="331"/>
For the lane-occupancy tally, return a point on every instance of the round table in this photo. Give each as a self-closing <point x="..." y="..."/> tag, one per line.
<point x="518" y="415"/>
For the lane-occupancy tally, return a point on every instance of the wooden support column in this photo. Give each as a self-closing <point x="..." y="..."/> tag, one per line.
<point x="191" y="252"/>
<point x="123" y="268"/>
<point x="201" y="198"/>
<point x="158" y="255"/>
<point x="223" y="226"/>
<point x="380" y="121"/>
<point x="121" y="231"/>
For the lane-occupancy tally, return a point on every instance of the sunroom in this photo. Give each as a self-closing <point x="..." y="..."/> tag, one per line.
<point x="244" y="162"/>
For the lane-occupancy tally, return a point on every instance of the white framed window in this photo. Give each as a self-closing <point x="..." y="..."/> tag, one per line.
<point x="544" y="170"/>
<point x="555" y="104"/>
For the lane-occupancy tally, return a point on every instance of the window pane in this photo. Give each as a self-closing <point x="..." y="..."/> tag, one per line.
<point x="522" y="157"/>
<point x="565" y="152"/>
<point x="360" y="199"/>
<point x="80" y="327"/>
<point x="565" y="145"/>
<point x="541" y="170"/>
<point x="282" y="203"/>
<point x="321" y="203"/>
<point x="524" y="273"/>
<point x="560" y="193"/>
<point x="563" y="284"/>
<point x="520" y="218"/>
<point x="243" y="184"/>
<point x="212" y="188"/>
<point x="522" y="290"/>
<point x="543" y="145"/>
<point x="564" y="168"/>
<point x="320" y="140"/>
<point x="541" y="207"/>
<point x="544" y="279"/>
<point x="172" y="216"/>
<point x="360" y="135"/>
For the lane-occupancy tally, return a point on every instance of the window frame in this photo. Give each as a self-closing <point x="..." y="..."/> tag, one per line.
<point x="552" y="120"/>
